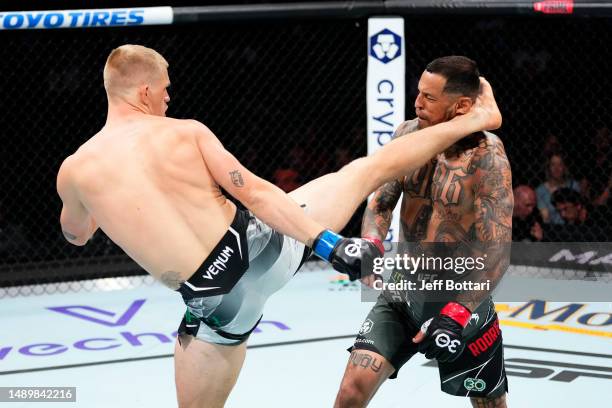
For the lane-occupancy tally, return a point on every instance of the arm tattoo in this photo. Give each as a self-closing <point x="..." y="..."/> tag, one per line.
<point x="379" y="212"/>
<point x="499" y="402"/>
<point x="494" y="201"/>
<point x="171" y="279"/>
<point x="69" y="236"/>
<point x="236" y="178"/>
<point x="493" y="215"/>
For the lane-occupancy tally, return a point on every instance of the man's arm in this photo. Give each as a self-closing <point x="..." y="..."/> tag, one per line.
<point x="264" y="199"/>
<point x="77" y="225"/>
<point x="379" y="212"/>
<point x="493" y="206"/>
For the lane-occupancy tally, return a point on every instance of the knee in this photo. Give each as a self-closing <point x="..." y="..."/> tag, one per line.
<point x="351" y="395"/>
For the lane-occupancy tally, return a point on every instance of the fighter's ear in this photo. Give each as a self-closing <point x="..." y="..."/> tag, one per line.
<point x="143" y="93"/>
<point x="464" y="104"/>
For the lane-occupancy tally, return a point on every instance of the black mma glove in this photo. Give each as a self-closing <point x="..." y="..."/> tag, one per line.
<point x="444" y="333"/>
<point x="347" y="255"/>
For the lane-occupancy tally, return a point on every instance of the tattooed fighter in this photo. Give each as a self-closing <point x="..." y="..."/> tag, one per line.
<point x="153" y="185"/>
<point x="462" y="195"/>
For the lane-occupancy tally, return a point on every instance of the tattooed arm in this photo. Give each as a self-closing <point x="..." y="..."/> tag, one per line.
<point x="264" y="199"/>
<point x="493" y="206"/>
<point x="379" y="212"/>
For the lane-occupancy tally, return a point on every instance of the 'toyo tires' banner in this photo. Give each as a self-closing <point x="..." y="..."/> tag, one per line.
<point x="20" y="20"/>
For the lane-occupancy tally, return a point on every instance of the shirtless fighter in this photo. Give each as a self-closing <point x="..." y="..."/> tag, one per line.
<point x="464" y="195"/>
<point x="153" y="185"/>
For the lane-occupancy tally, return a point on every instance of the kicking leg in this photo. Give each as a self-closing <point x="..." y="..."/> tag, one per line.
<point x="332" y="199"/>
<point x="205" y="373"/>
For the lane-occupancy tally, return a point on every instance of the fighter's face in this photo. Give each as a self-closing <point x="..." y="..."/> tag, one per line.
<point x="157" y="95"/>
<point x="432" y="105"/>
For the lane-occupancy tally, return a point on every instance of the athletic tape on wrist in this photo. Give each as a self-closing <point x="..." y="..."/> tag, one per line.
<point x="457" y="312"/>
<point x="325" y="244"/>
<point x="376" y="241"/>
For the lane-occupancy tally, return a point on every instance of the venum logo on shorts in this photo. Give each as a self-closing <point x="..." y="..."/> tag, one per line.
<point x="473" y="384"/>
<point x="385" y="46"/>
<point x="366" y="327"/>
<point x="482" y="344"/>
<point x="219" y="264"/>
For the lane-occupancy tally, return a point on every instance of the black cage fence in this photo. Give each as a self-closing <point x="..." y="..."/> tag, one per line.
<point x="288" y="98"/>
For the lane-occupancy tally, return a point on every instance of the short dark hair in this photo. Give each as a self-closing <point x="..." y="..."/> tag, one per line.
<point x="566" y="195"/>
<point x="461" y="73"/>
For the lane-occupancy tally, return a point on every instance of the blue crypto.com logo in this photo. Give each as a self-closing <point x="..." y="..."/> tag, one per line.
<point x="385" y="46"/>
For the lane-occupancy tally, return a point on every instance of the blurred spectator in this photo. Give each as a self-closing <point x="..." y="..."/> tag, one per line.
<point x="598" y="175"/>
<point x="551" y="145"/>
<point x="287" y="179"/>
<point x="556" y="177"/>
<point x="569" y="206"/>
<point x="580" y="225"/>
<point x="526" y="219"/>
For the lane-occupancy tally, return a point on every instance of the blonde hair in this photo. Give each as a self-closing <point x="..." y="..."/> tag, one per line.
<point x="129" y="66"/>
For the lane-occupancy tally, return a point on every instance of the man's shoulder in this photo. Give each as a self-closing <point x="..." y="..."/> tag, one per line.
<point x="490" y="143"/>
<point x="182" y="127"/>
<point x="406" y="127"/>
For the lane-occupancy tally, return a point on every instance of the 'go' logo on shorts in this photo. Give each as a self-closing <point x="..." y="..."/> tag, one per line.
<point x="443" y="341"/>
<point x="473" y="384"/>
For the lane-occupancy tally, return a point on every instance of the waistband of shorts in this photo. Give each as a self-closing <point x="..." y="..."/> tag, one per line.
<point x="238" y="227"/>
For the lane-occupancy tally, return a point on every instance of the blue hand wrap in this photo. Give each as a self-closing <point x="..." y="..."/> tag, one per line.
<point x="325" y="244"/>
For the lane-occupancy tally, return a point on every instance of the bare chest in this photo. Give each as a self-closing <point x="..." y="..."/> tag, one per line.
<point x="439" y="200"/>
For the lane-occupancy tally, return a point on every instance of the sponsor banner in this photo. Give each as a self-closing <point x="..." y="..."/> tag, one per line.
<point x="579" y="317"/>
<point x="585" y="256"/>
<point x="385" y="89"/>
<point x="117" y="17"/>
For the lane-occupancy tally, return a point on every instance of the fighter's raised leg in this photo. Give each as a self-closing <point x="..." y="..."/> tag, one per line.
<point x="332" y="199"/>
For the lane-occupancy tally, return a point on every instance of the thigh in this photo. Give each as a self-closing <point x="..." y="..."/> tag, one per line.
<point x="388" y="331"/>
<point x="381" y="348"/>
<point x="205" y="373"/>
<point x="364" y="373"/>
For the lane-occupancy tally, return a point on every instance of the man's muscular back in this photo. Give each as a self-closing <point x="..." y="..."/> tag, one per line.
<point x="146" y="185"/>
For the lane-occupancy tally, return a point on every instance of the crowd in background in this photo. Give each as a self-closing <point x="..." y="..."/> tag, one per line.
<point x="569" y="204"/>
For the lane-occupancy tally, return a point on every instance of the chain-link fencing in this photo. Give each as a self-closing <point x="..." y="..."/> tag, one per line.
<point x="289" y="100"/>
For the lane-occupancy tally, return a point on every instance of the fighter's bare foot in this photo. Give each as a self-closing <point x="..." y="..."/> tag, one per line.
<point x="486" y="108"/>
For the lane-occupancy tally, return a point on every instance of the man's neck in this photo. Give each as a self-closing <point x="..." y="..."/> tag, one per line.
<point x="122" y="111"/>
